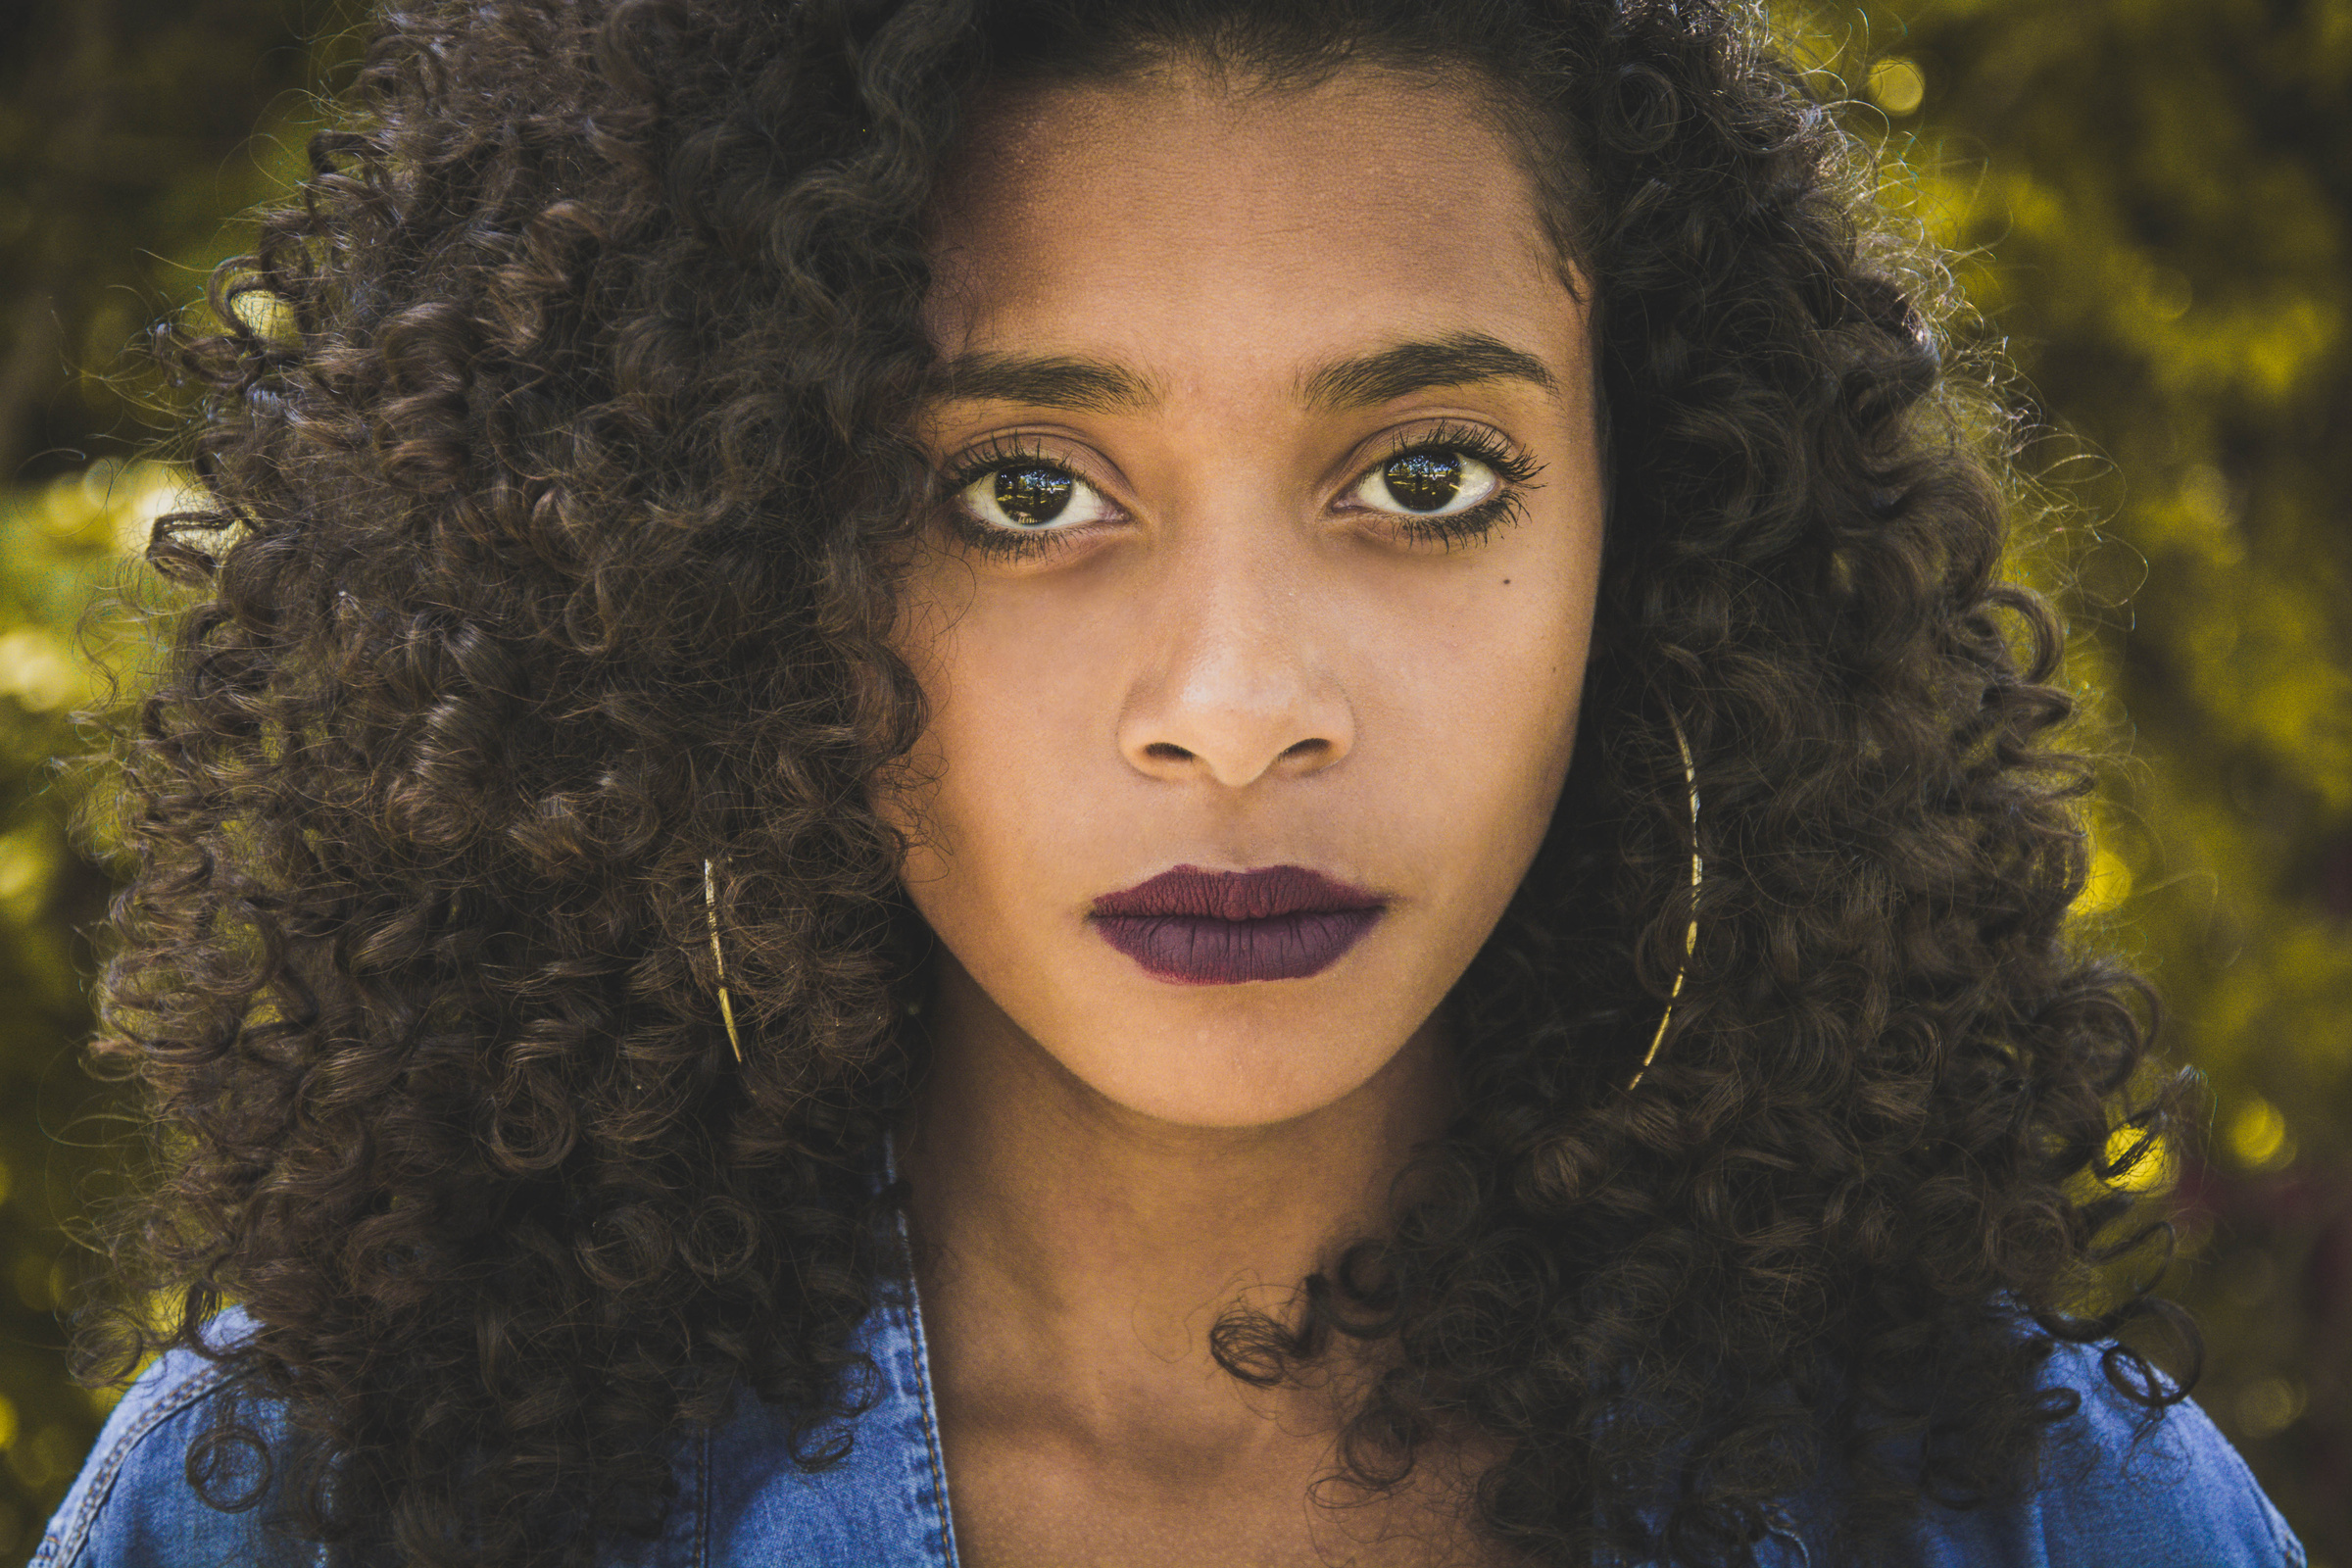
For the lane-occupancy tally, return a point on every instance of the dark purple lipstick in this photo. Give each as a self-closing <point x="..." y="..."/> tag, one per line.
<point x="1219" y="928"/>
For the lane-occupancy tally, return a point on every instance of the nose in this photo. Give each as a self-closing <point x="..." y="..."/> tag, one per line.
<point x="1240" y="688"/>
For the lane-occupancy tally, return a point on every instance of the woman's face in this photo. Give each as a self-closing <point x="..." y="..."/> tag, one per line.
<point x="1273" y="547"/>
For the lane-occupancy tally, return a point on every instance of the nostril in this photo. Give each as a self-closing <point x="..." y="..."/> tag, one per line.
<point x="1316" y="747"/>
<point x="1167" y="752"/>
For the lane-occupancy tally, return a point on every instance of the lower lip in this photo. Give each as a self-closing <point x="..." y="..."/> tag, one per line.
<point x="1203" y="951"/>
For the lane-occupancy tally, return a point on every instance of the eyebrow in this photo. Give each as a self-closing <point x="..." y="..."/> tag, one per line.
<point x="1080" y="385"/>
<point x="1363" y="380"/>
<point x="1460" y="359"/>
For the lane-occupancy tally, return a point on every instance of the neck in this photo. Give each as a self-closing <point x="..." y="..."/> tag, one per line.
<point x="1073" y="1254"/>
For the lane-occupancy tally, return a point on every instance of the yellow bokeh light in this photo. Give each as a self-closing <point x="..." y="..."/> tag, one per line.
<point x="23" y="868"/>
<point x="2270" y="1405"/>
<point x="119" y="502"/>
<point x="2258" y="1137"/>
<point x="2109" y="884"/>
<point x="2150" y="1171"/>
<point x="29" y="1272"/>
<point x="1896" y="86"/>
<point x="2167" y="293"/>
<point x="37" y="669"/>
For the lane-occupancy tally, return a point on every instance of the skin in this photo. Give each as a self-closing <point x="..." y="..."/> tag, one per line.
<point x="1244" y="659"/>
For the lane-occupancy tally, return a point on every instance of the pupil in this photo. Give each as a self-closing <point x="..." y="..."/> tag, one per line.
<point x="1032" y="496"/>
<point x="1424" y="482"/>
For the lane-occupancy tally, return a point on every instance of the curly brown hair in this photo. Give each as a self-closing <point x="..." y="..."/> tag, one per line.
<point x="556" y="442"/>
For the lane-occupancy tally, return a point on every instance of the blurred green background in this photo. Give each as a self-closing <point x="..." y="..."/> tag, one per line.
<point x="2151" y="204"/>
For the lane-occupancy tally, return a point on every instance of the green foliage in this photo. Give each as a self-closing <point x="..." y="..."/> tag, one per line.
<point x="2152" y="205"/>
<point x="59" y="551"/>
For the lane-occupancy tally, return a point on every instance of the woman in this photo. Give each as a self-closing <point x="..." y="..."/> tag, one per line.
<point x="1114" y="781"/>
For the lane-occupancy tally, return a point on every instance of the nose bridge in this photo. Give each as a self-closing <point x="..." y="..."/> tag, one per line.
<point x="1242" y="683"/>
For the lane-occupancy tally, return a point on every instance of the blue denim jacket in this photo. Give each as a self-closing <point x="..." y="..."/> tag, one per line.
<point x="2185" y="1499"/>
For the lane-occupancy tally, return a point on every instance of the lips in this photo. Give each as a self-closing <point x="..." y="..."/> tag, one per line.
<point x="1191" y="926"/>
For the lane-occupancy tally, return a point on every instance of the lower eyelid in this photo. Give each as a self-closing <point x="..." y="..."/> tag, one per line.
<point x="1471" y="526"/>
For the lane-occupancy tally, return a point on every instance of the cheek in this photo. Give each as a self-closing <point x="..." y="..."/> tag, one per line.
<point x="911" y="797"/>
<point x="1487" y="698"/>
<point x="1482" y="777"/>
<point x="977" y="800"/>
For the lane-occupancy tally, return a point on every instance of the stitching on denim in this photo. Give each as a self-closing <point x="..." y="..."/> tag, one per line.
<point x="2292" y="1553"/>
<point x="904" y="1308"/>
<point x="701" y="1495"/>
<point x="102" y="1482"/>
<point x="1778" y="1522"/>
<point x="2296" y="1555"/>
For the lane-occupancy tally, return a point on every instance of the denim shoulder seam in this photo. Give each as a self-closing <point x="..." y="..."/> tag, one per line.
<point x="918" y="1360"/>
<point x="906" y="1306"/>
<point x="2289" y="1550"/>
<point x="60" y="1549"/>
<point x="702" y="1500"/>
<point x="1777" y="1522"/>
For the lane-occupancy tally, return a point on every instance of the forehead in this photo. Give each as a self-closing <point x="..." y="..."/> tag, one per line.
<point x="1173" y="218"/>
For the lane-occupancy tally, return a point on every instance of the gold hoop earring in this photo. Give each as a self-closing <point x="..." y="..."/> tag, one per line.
<point x="719" y="960"/>
<point x="1689" y="935"/>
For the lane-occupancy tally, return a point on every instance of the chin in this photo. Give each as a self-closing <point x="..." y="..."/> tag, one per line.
<point x="1225" y="1077"/>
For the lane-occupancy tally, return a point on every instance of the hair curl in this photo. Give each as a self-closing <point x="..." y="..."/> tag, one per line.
<point x="555" y="452"/>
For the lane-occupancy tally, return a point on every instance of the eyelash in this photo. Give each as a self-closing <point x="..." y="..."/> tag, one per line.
<point x="1513" y="468"/>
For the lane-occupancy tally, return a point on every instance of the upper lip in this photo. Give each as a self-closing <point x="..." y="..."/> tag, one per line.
<point x="1258" y="895"/>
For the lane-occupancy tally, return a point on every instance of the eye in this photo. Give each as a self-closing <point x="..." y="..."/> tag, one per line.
<point x="1429" y="481"/>
<point x="1031" y="496"/>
